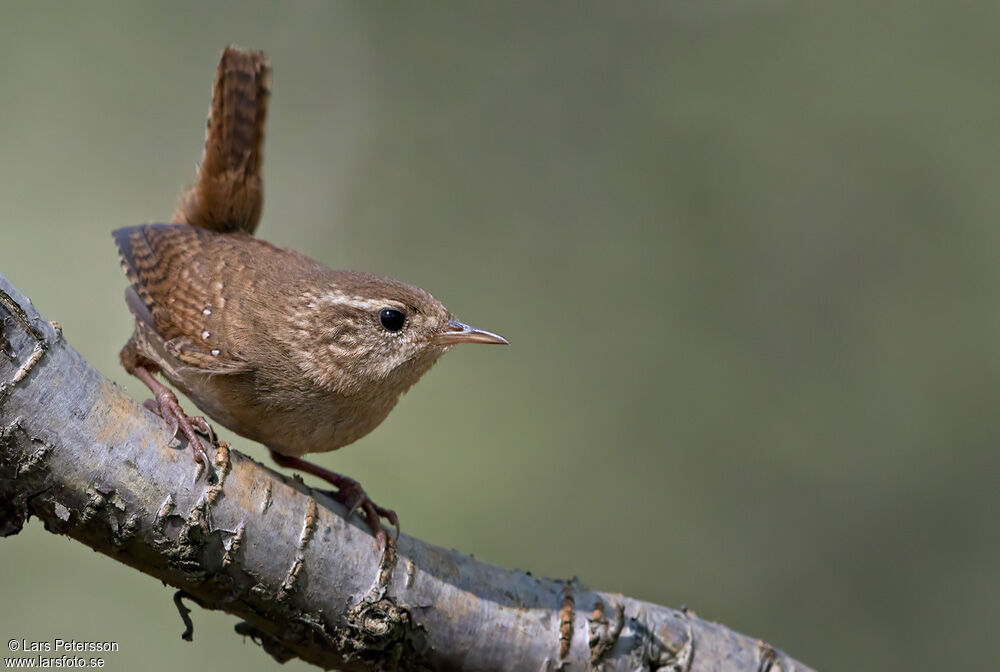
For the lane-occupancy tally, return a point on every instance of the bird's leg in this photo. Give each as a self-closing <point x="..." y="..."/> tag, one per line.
<point x="165" y="405"/>
<point x="349" y="493"/>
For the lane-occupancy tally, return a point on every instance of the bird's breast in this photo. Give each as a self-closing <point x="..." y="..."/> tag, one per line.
<point x="305" y="423"/>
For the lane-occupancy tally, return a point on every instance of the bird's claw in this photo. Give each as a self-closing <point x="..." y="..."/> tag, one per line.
<point x="352" y="495"/>
<point x="167" y="407"/>
<point x="205" y="429"/>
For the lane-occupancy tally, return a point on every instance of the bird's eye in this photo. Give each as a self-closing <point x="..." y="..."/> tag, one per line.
<point x="391" y="319"/>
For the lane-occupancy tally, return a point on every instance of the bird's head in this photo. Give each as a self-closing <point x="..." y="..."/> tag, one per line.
<point x="375" y="335"/>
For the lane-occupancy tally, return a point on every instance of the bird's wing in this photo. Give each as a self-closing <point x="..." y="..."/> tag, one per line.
<point x="178" y="275"/>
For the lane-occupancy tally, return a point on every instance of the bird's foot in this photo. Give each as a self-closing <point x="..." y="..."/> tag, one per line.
<point x="164" y="404"/>
<point x="348" y="493"/>
<point x="198" y="422"/>
<point x="352" y="495"/>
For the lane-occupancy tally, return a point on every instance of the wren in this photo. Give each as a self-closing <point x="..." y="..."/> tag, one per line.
<point x="264" y="340"/>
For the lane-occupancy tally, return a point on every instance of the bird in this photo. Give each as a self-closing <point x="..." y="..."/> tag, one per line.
<point x="266" y="341"/>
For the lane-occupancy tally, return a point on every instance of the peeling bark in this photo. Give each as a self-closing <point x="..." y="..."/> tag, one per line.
<point x="93" y="465"/>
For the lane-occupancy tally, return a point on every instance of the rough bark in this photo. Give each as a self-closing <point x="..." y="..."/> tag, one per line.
<point x="94" y="465"/>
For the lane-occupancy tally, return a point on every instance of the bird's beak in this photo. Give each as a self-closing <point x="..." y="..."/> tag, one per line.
<point x="459" y="332"/>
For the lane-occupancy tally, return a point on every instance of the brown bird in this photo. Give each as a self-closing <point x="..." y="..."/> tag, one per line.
<point x="267" y="342"/>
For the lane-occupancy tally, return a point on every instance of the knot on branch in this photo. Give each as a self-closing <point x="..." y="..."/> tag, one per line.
<point x="377" y="630"/>
<point x="377" y="623"/>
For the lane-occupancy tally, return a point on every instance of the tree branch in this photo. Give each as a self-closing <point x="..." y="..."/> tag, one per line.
<point x="95" y="466"/>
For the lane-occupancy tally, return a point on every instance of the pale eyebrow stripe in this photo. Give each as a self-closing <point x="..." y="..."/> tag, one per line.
<point x="360" y="302"/>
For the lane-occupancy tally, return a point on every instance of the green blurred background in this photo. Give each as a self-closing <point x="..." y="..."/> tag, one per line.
<point x="746" y="254"/>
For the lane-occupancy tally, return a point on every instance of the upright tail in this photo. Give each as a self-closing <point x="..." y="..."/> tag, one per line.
<point x="229" y="193"/>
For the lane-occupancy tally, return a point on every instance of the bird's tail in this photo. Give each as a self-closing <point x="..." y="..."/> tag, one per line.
<point x="229" y="193"/>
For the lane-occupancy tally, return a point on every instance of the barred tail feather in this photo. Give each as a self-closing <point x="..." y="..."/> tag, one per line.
<point x="228" y="195"/>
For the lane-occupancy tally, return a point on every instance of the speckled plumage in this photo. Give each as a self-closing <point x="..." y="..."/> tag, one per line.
<point x="270" y="343"/>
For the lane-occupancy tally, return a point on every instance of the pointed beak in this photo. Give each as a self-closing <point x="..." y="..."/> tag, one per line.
<point x="459" y="332"/>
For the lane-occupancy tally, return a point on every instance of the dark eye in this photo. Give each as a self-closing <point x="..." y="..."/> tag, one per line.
<point x="391" y="319"/>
